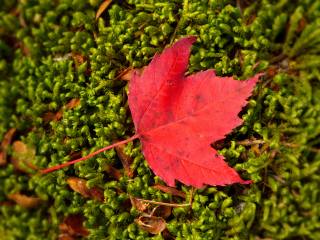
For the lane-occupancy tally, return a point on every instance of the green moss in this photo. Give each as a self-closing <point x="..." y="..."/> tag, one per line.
<point x="282" y="203"/>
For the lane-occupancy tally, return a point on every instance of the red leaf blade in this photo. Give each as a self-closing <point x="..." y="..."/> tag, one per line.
<point x="177" y="118"/>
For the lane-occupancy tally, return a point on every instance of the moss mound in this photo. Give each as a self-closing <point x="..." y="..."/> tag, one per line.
<point x="61" y="98"/>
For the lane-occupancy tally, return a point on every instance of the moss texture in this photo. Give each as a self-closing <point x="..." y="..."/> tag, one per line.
<point x="38" y="76"/>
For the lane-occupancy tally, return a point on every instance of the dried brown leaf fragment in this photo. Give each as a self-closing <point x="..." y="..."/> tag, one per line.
<point x="25" y="201"/>
<point x="113" y="172"/>
<point x="21" y="153"/>
<point x="6" y="142"/>
<point x="151" y="224"/>
<point x="48" y="117"/>
<point x="73" y="225"/>
<point x="79" y="60"/>
<point x="161" y="211"/>
<point x="172" y="191"/>
<point x="138" y="204"/>
<point x="122" y="73"/>
<point x="126" y="160"/>
<point x="103" y="7"/>
<point x="66" y="237"/>
<point x="73" y="103"/>
<point x="128" y="75"/>
<point x="75" y="154"/>
<point x="79" y="185"/>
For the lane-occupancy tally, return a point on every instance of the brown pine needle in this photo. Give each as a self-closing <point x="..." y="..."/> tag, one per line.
<point x="175" y="31"/>
<point x="191" y="196"/>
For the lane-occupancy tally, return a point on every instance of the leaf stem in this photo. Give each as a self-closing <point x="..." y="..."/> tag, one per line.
<point x="90" y="155"/>
<point x="165" y="204"/>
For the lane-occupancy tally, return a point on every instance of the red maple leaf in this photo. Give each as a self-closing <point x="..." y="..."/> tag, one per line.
<point x="178" y="117"/>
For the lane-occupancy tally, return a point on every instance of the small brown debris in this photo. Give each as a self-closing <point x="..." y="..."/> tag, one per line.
<point x="127" y="204"/>
<point x="276" y="88"/>
<point x="113" y="172"/>
<point x="151" y="224"/>
<point x="14" y="11"/>
<point x="119" y="190"/>
<point x="255" y="147"/>
<point x="218" y="145"/>
<point x="166" y="234"/>
<point x="278" y="58"/>
<point x="242" y="5"/>
<point x="258" y="238"/>
<point x="256" y="65"/>
<point x="124" y="96"/>
<point x="302" y="24"/>
<point x="278" y="178"/>
<point x="282" y="137"/>
<point x="95" y="34"/>
<point x="75" y="155"/>
<point x="271" y="71"/>
<point x="273" y="153"/>
<point x="138" y="34"/>
<point x="26" y="52"/>
<point x="79" y="185"/>
<point x="166" y="204"/>
<point x="79" y="60"/>
<point x="103" y="7"/>
<point x="6" y="142"/>
<point x="264" y="147"/>
<point x="22" y="154"/>
<point x="20" y="17"/>
<point x="73" y="103"/>
<point x="122" y="73"/>
<point x="48" y="116"/>
<point x="294" y="193"/>
<point x="64" y="141"/>
<point x="127" y="76"/>
<point x="25" y="201"/>
<point x="66" y="237"/>
<point x="252" y="17"/>
<point x="73" y="225"/>
<point x="124" y="158"/>
<point x="7" y="203"/>
<point x="161" y="211"/>
<point x="170" y="190"/>
<point x="138" y="204"/>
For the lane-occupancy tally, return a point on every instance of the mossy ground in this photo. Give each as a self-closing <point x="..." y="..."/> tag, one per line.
<point x="39" y="76"/>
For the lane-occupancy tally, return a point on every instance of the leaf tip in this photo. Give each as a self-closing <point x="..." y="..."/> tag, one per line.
<point x="186" y="42"/>
<point x="256" y="77"/>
